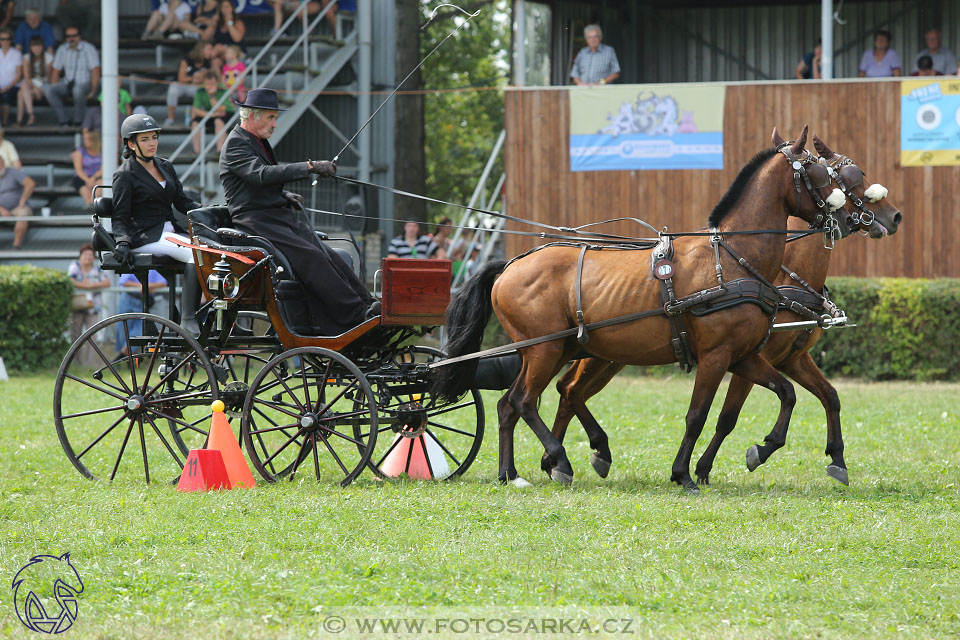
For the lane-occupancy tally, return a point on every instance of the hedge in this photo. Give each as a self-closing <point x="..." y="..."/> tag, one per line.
<point x="906" y="329"/>
<point x="34" y="308"/>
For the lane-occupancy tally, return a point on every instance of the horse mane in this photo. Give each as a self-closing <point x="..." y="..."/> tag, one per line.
<point x="733" y="194"/>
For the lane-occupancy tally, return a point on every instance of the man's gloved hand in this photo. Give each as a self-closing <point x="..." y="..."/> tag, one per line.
<point x="295" y="199"/>
<point x="323" y="168"/>
<point x="123" y="254"/>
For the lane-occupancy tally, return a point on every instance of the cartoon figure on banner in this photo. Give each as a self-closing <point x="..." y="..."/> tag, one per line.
<point x="45" y="593"/>
<point x="653" y="115"/>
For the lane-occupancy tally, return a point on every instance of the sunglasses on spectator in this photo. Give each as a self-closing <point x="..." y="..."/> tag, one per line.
<point x="5" y="38"/>
<point x="72" y="35"/>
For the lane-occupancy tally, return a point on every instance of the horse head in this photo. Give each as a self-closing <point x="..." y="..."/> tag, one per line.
<point x="868" y="207"/>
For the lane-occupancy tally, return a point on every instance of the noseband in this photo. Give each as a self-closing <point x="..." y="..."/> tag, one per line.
<point x="863" y="216"/>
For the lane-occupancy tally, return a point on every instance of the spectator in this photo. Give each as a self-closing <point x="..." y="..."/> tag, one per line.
<point x="93" y="120"/>
<point x="596" y="63"/>
<point x="89" y="279"/>
<point x="37" y="64"/>
<point x="168" y="17"/>
<point x="204" y="14"/>
<point x="201" y="58"/>
<point x="281" y="7"/>
<point x="80" y="64"/>
<point x="233" y="69"/>
<point x="473" y="262"/>
<point x="84" y="14"/>
<point x="88" y="165"/>
<point x="881" y="61"/>
<point x="9" y="153"/>
<point x="15" y="189"/>
<point x="131" y="302"/>
<point x="411" y="244"/>
<point x="809" y="67"/>
<point x="925" y="67"/>
<point x="442" y="237"/>
<point x="11" y="72"/>
<point x="34" y="25"/>
<point x="343" y="5"/>
<point x="944" y="61"/>
<point x="226" y="28"/>
<point x="203" y="101"/>
<point x="6" y="12"/>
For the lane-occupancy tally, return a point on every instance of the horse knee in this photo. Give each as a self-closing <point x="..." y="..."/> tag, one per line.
<point x="786" y="393"/>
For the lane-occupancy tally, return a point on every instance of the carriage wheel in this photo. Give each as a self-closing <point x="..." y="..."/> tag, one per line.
<point x="413" y="421"/>
<point x="310" y="407"/>
<point x="104" y="399"/>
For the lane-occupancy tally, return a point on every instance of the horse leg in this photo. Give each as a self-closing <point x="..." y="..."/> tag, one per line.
<point x="805" y="371"/>
<point x="756" y="369"/>
<point x="508" y="416"/>
<point x="737" y="394"/>
<point x="710" y="373"/>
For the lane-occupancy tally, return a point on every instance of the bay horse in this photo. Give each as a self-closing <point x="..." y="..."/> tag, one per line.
<point x="809" y="260"/>
<point x="538" y="294"/>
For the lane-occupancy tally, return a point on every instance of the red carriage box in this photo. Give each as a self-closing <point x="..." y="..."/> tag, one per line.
<point x="415" y="291"/>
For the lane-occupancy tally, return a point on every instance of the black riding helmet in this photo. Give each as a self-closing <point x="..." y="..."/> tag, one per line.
<point x="132" y="125"/>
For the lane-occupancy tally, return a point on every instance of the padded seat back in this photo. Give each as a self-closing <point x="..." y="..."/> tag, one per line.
<point x="211" y="217"/>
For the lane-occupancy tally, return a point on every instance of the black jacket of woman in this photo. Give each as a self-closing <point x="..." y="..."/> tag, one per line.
<point x="141" y="205"/>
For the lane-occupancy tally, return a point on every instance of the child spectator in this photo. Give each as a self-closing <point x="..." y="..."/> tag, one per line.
<point x="233" y="69"/>
<point x="203" y="101"/>
<point x="809" y="67"/>
<point x="87" y="163"/>
<point x="201" y="58"/>
<point x="881" y="61"/>
<point x="11" y="72"/>
<point x="88" y="279"/>
<point x="36" y="71"/>
<point x="131" y="302"/>
<point x="34" y="25"/>
<point x="925" y="67"/>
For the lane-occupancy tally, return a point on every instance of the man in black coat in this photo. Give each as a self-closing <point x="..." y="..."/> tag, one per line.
<point x="253" y="186"/>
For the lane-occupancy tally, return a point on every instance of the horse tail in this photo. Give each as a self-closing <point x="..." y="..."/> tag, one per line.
<point x="467" y="317"/>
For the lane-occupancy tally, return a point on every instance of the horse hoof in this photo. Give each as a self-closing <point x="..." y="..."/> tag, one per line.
<point x="601" y="466"/>
<point x="839" y="474"/>
<point x="520" y="483"/>
<point x="691" y="488"/>
<point x="565" y="479"/>
<point x="753" y="458"/>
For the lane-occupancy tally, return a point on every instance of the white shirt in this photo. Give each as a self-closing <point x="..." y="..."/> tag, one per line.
<point x="9" y="63"/>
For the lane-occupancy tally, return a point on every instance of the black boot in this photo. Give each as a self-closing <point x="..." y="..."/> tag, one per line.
<point x="189" y="302"/>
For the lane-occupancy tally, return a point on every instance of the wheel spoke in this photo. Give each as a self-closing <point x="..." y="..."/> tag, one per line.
<point x="426" y="456"/>
<point x="284" y="446"/>
<point x="316" y="458"/>
<point x="306" y="387"/>
<point x="176" y="420"/>
<point x="163" y="440"/>
<point x="159" y="399"/>
<point x="143" y="447"/>
<point x="333" y="453"/>
<point x="446" y="428"/>
<point x="133" y="373"/>
<point x="339" y="395"/>
<point x="276" y="428"/>
<point x="93" y="343"/>
<point x="302" y="454"/>
<point x="116" y="465"/>
<point x="92" y="412"/>
<point x="445" y="450"/>
<point x="393" y="445"/>
<point x="101" y="436"/>
<point x="153" y="356"/>
<point x="167" y="376"/>
<point x="344" y="436"/>
<point x="289" y="390"/>
<point x="323" y="384"/>
<point x="263" y="447"/>
<point x="433" y="414"/>
<point x="95" y="388"/>
<point x="276" y="407"/>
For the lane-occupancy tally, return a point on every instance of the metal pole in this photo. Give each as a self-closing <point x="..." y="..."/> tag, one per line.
<point x="364" y="81"/>
<point x="110" y="86"/>
<point x="520" y="70"/>
<point x="826" y="39"/>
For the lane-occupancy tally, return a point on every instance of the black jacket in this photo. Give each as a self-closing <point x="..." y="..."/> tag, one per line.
<point x="141" y="205"/>
<point x="252" y="181"/>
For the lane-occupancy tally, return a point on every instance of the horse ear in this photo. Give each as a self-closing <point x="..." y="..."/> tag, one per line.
<point x="801" y="142"/>
<point x="776" y="138"/>
<point x="822" y="149"/>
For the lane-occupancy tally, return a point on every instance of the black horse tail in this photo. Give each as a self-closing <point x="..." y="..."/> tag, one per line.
<point x="467" y="317"/>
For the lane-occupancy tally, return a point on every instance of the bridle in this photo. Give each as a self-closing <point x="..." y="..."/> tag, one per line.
<point x="801" y="179"/>
<point x="863" y="216"/>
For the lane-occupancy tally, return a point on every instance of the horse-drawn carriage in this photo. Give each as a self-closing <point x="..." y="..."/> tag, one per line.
<point x="335" y="404"/>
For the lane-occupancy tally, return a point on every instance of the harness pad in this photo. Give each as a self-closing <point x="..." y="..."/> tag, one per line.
<point x="740" y="291"/>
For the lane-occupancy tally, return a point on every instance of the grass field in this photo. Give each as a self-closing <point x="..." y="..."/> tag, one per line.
<point x="784" y="552"/>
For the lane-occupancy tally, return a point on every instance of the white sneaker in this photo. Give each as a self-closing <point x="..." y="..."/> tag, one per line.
<point x="168" y="122"/>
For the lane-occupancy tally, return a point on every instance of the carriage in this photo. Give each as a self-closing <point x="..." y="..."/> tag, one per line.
<point x="306" y="403"/>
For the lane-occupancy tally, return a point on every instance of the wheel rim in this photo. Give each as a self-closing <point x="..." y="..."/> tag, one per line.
<point x="105" y="413"/>
<point x="442" y="440"/>
<point x="310" y="408"/>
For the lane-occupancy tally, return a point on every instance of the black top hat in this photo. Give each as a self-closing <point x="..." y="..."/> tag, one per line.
<point x="260" y="99"/>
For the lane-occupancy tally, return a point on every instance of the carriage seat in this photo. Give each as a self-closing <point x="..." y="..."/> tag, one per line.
<point x="104" y="243"/>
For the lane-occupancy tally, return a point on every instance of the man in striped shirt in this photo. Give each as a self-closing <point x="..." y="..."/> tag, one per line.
<point x="596" y="63"/>
<point x="411" y="244"/>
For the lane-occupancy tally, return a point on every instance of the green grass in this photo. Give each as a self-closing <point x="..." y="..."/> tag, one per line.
<point x="784" y="552"/>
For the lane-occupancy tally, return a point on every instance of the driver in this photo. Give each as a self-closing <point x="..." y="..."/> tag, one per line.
<point x="253" y="186"/>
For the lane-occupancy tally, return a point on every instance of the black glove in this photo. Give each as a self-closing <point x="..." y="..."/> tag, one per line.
<point x="323" y="168"/>
<point x="123" y="254"/>
<point x="295" y="199"/>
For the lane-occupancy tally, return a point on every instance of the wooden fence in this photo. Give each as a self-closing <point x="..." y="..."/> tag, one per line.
<point x="858" y="119"/>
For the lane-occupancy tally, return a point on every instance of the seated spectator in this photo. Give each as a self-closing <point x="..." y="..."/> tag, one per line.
<point x="15" y="189"/>
<point x="442" y="237"/>
<point x="283" y="8"/>
<point x="944" y="62"/>
<point x="37" y="64"/>
<point x="6" y="13"/>
<point x="11" y="72"/>
<point x="79" y="62"/>
<point x="596" y="63"/>
<point x="925" y="67"/>
<point x="168" y="17"/>
<point x="88" y="165"/>
<point x="411" y="244"/>
<point x="88" y="279"/>
<point x="84" y="14"/>
<point x="131" y="302"/>
<point x="93" y="120"/>
<point x="226" y="28"/>
<point x="34" y="25"/>
<point x="809" y="67"/>
<point x="343" y="5"/>
<point x="204" y="14"/>
<point x="203" y="101"/>
<point x="9" y="152"/>
<point x="233" y="69"/>
<point x="201" y="58"/>
<point x="881" y="61"/>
